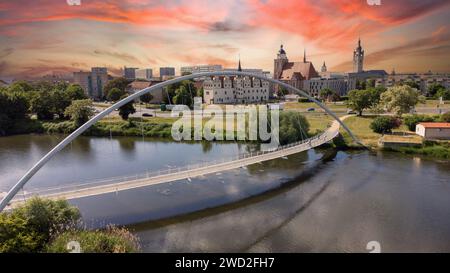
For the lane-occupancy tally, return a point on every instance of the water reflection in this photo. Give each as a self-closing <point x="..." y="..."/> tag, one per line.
<point x="339" y="207"/>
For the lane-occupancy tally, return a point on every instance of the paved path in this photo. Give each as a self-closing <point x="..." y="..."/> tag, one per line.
<point x="249" y="159"/>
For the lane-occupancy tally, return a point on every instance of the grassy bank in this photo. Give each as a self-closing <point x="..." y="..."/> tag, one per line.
<point x="432" y="150"/>
<point x="147" y="126"/>
<point x="360" y="126"/>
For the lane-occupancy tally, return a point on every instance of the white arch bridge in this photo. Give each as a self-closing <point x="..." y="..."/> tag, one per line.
<point x="141" y="180"/>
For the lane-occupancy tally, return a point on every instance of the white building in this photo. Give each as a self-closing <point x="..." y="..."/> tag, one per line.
<point x="315" y="85"/>
<point x="433" y="130"/>
<point x="200" y="68"/>
<point x="235" y="90"/>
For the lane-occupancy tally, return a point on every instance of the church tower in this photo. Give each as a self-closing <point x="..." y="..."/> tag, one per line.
<point x="279" y="63"/>
<point x="358" y="58"/>
<point x="324" y="68"/>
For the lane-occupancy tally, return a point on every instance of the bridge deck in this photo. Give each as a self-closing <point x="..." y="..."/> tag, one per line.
<point x="91" y="189"/>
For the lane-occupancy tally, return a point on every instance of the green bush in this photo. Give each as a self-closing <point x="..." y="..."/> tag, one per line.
<point x="28" y="228"/>
<point x="412" y="121"/>
<point x="111" y="240"/>
<point x="384" y="124"/>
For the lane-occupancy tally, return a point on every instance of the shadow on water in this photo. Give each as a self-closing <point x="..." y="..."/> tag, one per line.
<point x="283" y="188"/>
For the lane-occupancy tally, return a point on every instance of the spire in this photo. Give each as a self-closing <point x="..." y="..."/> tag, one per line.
<point x="281" y="51"/>
<point x="304" y="55"/>
<point x="239" y="66"/>
<point x="324" y="67"/>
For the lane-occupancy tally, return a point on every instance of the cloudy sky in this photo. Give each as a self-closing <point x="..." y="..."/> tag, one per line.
<point x="42" y="37"/>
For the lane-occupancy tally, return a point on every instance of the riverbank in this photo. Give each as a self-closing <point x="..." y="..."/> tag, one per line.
<point x="360" y="126"/>
<point x="159" y="127"/>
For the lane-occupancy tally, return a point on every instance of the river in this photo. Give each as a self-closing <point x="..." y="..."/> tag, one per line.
<point x="302" y="204"/>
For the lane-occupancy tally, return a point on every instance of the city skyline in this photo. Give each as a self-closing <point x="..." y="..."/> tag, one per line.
<point x="52" y="37"/>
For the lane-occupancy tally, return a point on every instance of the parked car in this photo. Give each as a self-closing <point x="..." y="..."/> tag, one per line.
<point x="311" y="109"/>
<point x="147" y="115"/>
<point x="351" y="112"/>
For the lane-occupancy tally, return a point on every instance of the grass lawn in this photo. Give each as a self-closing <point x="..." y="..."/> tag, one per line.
<point x="318" y="121"/>
<point x="360" y="126"/>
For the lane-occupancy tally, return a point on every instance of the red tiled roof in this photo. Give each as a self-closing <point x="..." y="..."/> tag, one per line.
<point x="297" y="69"/>
<point x="435" y="124"/>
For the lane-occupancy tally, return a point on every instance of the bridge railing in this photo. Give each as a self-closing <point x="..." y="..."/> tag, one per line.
<point x="324" y="137"/>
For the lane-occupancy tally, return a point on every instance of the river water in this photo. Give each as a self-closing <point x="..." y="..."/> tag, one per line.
<point x="302" y="204"/>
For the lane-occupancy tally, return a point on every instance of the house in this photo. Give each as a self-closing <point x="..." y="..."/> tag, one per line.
<point x="158" y="94"/>
<point x="434" y="130"/>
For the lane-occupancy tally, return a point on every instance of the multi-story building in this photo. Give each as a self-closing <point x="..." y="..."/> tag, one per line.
<point x="235" y="89"/>
<point x="165" y="72"/>
<point x="92" y="82"/>
<point x="146" y="74"/>
<point x="423" y="81"/>
<point x="200" y="68"/>
<point x="129" y="72"/>
<point x="293" y="73"/>
<point x="315" y="85"/>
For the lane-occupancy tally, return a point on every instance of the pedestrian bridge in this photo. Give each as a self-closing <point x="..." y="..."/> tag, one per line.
<point x="113" y="185"/>
<point x="117" y="184"/>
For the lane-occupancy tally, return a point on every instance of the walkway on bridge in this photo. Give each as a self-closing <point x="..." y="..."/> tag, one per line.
<point x="147" y="179"/>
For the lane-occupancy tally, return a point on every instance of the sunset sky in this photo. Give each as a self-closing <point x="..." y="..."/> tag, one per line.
<point x="50" y="36"/>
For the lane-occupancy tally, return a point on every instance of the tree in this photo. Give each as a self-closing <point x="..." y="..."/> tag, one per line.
<point x="360" y="84"/>
<point x="120" y="83"/>
<point x="20" y="86"/>
<point x="400" y="99"/>
<point x="60" y="102"/>
<point x="146" y="98"/>
<point x="412" y="84"/>
<point x="42" y="105"/>
<point x="16" y="105"/>
<point x="434" y="88"/>
<point x="75" y="92"/>
<point x="115" y="94"/>
<point x="384" y="124"/>
<point x="326" y="93"/>
<point x="443" y="93"/>
<point x="171" y="90"/>
<point x="293" y="127"/>
<point x="13" y="106"/>
<point x="80" y="111"/>
<point x="412" y="121"/>
<point x="281" y="92"/>
<point x="370" y="83"/>
<point x="182" y="96"/>
<point x="359" y="100"/>
<point x="126" y="110"/>
<point x="29" y="228"/>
